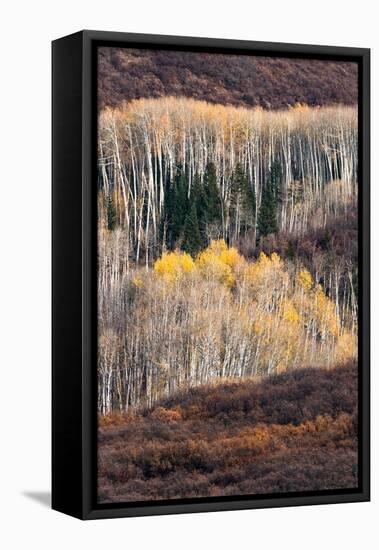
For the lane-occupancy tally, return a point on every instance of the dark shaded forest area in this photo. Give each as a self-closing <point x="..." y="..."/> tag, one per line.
<point x="271" y="83"/>
<point x="291" y="432"/>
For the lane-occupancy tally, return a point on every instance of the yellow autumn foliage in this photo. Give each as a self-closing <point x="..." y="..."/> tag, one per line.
<point x="305" y="279"/>
<point x="265" y="265"/>
<point x="220" y="262"/>
<point x="232" y="258"/>
<point x="276" y="312"/>
<point x="173" y="265"/>
<point x="217" y="246"/>
<point x="325" y="312"/>
<point x="346" y="347"/>
<point x="289" y="312"/>
<point x="213" y="268"/>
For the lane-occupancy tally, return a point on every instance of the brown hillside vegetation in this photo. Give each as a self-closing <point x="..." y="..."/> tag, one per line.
<point x="290" y="432"/>
<point x="126" y="74"/>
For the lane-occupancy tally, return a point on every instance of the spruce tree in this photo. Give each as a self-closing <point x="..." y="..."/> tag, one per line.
<point x="110" y="212"/>
<point x="242" y="192"/>
<point x="192" y="240"/>
<point x="236" y="187"/>
<point x="212" y="194"/>
<point x="198" y="197"/>
<point x="242" y="197"/>
<point x="176" y="207"/>
<point x="250" y="199"/>
<point x="267" y="217"/>
<point x="164" y="230"/>
<point x="291" y="250"/>
<point x="166" y="225"/>
<point x="275" y="179"/>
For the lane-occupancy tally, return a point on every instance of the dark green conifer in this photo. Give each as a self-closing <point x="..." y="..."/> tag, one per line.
<point x="267" y="217"/>
<point x="212" y="194"/>
<point x="111" y="214"/>
<point x="242" y="198"/>
<point x="176" y="206"/>
<point x="198" y="197"/>
<point x="192" y="241"/>
<point x="250" y="200"/>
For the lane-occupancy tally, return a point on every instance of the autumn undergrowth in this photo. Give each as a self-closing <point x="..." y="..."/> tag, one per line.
<point x="294" y="431"/>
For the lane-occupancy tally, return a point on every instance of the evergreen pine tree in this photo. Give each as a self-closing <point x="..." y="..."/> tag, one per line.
<point x="192" y="240"/>
<point x="236" y="187"/>
<point x="250" y="199"/>
<point x="166" y="223"/>
<point x="198" y="197"/>
<point x="291" y="250"/>
<point x="110" y="212"/>
<point x="275" y="179"/>
<point x="212" y="194"/>
<point x="267" y="217"/>
<point x="242" y="198"/>
<point x="176" y="207"/>
<point x="242" y="192"/>
<point x="164" y="236"/>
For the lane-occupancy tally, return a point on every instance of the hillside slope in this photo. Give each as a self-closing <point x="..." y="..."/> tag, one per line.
<point x="290" y="432"/>
<point x="126" y="74"/>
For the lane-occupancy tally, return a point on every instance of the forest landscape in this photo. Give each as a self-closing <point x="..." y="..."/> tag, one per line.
<point x="227" y="275"/>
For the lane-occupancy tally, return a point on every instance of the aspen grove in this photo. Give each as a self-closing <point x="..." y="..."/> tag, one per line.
<point x="207" y="268"/>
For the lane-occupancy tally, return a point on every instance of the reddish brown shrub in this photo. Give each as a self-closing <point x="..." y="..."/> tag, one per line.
<point x="166" y="415"/>
<point x="292" y="432"/>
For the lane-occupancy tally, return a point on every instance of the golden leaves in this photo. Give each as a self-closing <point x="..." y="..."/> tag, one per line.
<point x="325" y="313"/>
<point x="305" y="279"/>
<point x="220" y="262"/>
<point x="289" y="312"/>
<point x="280" y="314"/>
<point x="173" y="265"/>
<point x="264" y="267"/>
<point x="347" y="347"/>
<point x="217" y="262"/>
<point x="213" y="268"/>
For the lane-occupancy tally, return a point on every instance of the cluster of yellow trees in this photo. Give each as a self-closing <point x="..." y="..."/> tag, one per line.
<point x="189" y="321"/>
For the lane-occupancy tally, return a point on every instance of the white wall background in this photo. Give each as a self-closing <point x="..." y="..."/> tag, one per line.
<point x="26" y="31"/>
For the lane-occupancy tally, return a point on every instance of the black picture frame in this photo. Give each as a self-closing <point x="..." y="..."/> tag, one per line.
<point x="74" y="338"/>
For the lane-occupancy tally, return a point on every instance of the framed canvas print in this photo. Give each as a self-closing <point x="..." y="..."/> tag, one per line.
<point x="210" y="275"/>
